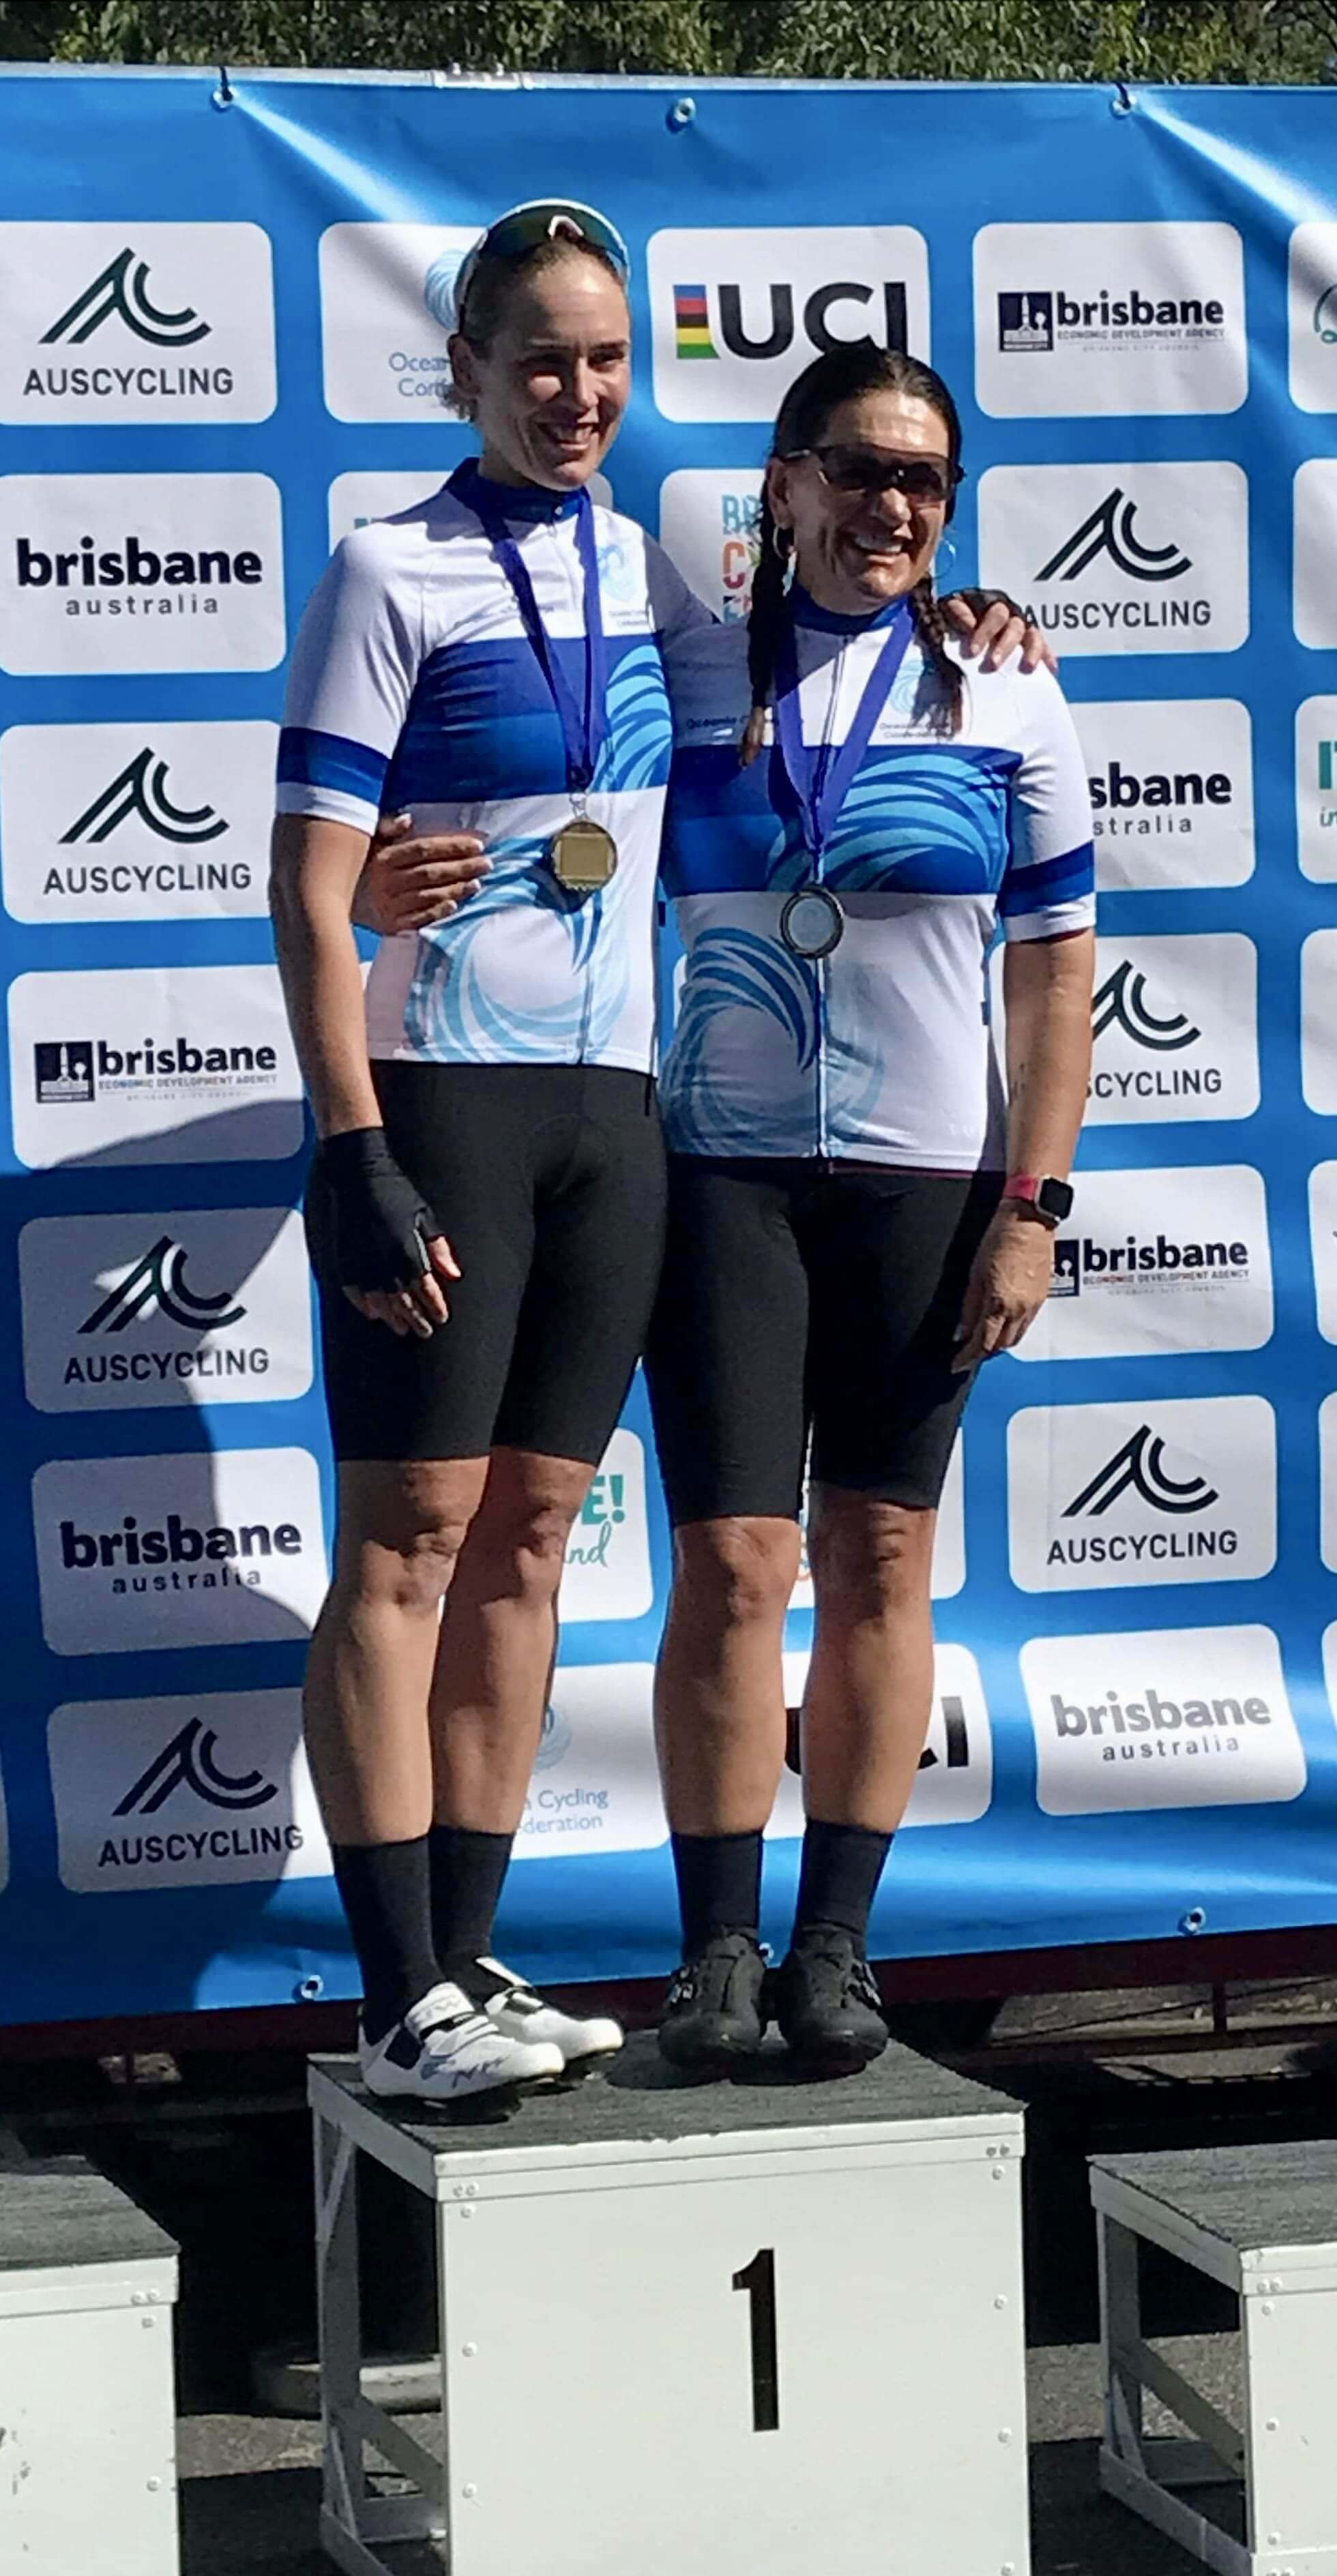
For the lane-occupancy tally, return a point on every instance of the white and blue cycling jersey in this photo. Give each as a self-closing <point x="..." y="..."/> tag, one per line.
<point x="882" y="1050"/>
<point x="413" y="686"/>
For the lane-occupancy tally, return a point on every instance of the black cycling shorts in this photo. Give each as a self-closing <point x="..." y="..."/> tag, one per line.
<point x="796" y="1301"/>
<point x="548" y="1181"/>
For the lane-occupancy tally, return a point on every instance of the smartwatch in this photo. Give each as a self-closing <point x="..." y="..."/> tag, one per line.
<point x="1051" y="1199"/>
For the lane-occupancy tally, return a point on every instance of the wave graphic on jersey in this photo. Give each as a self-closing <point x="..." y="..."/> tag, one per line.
<point x="454" y="1010"/>
<point x="728" y="971"/>
<point x="639" y="741"/>
<point x="931" y="822"/>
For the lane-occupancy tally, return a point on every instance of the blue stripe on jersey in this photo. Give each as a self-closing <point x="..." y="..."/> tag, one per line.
<point x="1062" y="880"/>
<point x="310" y="759"/>
<point x="481" y="724"/>
<point x="918" y="819"/>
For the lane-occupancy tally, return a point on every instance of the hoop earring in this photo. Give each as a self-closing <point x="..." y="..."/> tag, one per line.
<point x="781" y="541"/>
<point x="946" y="546"/>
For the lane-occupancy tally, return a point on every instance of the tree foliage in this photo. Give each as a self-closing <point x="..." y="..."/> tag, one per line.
<point x="1078" y="40"/>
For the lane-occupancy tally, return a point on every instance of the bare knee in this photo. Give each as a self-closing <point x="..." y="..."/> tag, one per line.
<point x="736" y="1572"/>
<point x="518" y="1541"/>
<point x="869" y="1558"/>
<point x="401" y="1533"/>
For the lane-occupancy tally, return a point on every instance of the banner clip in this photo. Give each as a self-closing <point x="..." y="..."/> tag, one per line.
<point x="224" y="95"/>
<point x="1122" y="103"/>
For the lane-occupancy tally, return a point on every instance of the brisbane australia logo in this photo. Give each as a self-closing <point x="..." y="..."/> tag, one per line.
<point x="190" y="1762"/>
<point x="1111" y="530"/>
<point x="159" y="1280"/>
<point x="694" y="339"/>
<point x="122" y="288"/>
<point x="140" y="789"/>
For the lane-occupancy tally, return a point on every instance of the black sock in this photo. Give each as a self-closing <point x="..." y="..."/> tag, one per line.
<point x="838" y="1880"/>
<point x="386" y="1897"/>
<point x="719" y="1885"/>
<point x="467" y="1870"/>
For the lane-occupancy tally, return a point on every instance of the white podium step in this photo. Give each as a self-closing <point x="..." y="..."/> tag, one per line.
<point x="693" y="2329"/>
<point x="87" y="2421"/>
<point x="1263" y="2220"/>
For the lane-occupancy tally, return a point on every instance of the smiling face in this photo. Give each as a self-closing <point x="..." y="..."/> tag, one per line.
<point x="853" y="552"/>
<point x="548" y="391"/>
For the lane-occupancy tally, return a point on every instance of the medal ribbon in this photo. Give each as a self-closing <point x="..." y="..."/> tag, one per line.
<point x="821" y="776"/>
<point x="584" y="730"/>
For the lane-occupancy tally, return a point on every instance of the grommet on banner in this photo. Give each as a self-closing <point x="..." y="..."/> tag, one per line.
<point x="224" y="95"/>
<point x="1194" y="1921"/>
<point x="682" y="112"/>
<point x="309" y="1990"/>
<point x="1121" y="104"/>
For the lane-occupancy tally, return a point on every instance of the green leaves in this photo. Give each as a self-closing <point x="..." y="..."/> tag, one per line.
<point x="976" y="40"/>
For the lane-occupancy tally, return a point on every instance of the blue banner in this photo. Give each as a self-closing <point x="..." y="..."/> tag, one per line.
<point x="227" y="352"/>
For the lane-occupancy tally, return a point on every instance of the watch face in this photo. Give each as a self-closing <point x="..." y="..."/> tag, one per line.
<point x="1054" y="1200"/>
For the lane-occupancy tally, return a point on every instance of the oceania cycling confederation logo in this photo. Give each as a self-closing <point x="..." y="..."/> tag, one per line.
<point x="122" y="288"/>
<point x="1116" y="558"/>
<point x="135" y="322"/>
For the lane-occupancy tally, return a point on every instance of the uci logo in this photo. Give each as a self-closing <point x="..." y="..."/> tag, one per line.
<point x="737" y="314"/>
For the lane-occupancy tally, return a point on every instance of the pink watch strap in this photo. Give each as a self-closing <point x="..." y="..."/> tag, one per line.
<point x="1022" y="1185"/>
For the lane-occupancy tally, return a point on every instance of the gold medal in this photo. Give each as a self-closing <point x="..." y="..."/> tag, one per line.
<point x="583" y="855"/>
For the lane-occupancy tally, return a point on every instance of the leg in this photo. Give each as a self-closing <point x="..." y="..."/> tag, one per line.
<point x="497" y="1641"/>
<point x="719" y="1690"/>
<point x="870" y="1683"/>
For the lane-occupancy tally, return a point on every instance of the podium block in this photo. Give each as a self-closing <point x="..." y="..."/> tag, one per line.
<point x="1262" y="2220"/>
<point x="87" y="2407"/>
<point x="694" y="2329"/>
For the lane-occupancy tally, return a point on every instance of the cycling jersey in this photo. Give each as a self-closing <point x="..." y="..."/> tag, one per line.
<point x="882" y="1050"/>
<point x="414" y="686"/>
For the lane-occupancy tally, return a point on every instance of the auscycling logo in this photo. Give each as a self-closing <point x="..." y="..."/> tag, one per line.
<point x="122" y="288"/>
<point x="189" y="1762"/>
<point x="1139" y="1465"/>
<point x="1110" y="530"/>
<point x="1121" y="1002"/>
<point x="1137" y="1471"/>
<point x="159" y="1280"/>
<point x="140" y="789"/>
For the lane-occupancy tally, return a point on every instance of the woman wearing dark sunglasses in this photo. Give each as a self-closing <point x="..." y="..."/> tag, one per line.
<point x="858" y="1212"/>
<point x="485" y="1207"/>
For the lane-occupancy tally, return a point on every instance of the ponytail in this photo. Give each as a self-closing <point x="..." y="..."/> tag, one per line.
<point x="763" y="626"/>
<point x="931" y="629"/>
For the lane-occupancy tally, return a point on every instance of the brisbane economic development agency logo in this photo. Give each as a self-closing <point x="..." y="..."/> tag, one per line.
<point x="1106" y="318"/>
<point x="148" y="322"/>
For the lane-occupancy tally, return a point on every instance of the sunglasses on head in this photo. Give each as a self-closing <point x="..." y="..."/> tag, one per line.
<point x="865" y="470"/>
<point x="525" y="228"/>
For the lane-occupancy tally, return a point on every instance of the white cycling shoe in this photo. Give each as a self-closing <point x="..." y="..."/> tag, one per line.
<point x="524" y="2016"/>
<point x="445" y="2050"/>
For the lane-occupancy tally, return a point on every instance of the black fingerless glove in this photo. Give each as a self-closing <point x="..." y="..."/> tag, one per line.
<point x="380" y="1223"/>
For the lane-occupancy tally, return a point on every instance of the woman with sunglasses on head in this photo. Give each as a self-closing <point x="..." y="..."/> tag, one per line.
<point x="485" y="1208"/>
<point x="858" y="1214"/>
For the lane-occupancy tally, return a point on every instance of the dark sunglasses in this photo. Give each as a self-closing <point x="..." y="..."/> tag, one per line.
<point x="548" y="219"/>
<point x="865" y="470"/>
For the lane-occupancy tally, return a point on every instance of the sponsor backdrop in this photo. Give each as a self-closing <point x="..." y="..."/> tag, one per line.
<point x="230" y="353"/>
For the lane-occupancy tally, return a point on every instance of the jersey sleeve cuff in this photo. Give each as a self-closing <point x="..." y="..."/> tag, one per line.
<point x="1052" y="920"/>
<point x="326" y="804"/>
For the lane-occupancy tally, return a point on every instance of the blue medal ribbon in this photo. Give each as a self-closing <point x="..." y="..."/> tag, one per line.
<point x="584" y="730"/>
<point x="821" y="776"/>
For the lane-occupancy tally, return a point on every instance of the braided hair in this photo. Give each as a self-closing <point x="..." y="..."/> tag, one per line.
<point x="841" y="376"/>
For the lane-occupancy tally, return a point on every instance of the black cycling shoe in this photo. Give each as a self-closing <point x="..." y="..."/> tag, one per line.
<point x="826" y="2003"/>
<point x="712" y="2012"/>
